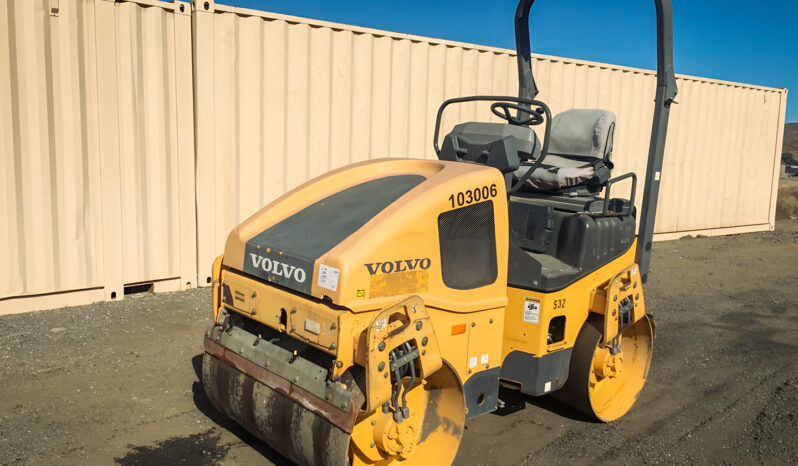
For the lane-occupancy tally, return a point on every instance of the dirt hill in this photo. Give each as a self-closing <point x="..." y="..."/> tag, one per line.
<point x="790" y="146"/>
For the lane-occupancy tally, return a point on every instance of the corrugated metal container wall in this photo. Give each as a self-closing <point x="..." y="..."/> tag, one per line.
<point x="283" y="99"/>
<point x="150" y="139"/>
<point x="100" y="112"/>
<point x="96" y="134"/>
<point x="51" y="233"/>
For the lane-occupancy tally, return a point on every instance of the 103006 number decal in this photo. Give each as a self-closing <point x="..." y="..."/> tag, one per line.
<point x="471" y="196"/>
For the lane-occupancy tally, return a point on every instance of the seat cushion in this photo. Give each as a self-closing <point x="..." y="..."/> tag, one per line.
<point x="552" y="178"/>
<point x="579" y="142"/>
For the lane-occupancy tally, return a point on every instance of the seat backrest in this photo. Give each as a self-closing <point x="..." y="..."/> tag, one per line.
<point x="582" y="134"/>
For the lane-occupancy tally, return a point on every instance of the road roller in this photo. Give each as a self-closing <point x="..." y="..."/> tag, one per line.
<point x="365" y="316"/>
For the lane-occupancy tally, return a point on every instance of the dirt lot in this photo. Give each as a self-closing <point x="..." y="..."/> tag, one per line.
<point x="117" y="382"/>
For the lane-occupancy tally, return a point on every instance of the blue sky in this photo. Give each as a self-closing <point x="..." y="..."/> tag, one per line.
<point x="734" y="40"/>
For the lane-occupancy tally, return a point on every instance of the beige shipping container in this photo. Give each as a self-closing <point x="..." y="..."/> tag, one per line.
<point x="97" y="144"/>
<point x="135" y="134"/>
<point x="283" y="99"/>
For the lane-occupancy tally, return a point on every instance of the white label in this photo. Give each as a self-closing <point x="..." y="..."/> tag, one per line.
<point x="547" y="387"/>
<point x="472" y="362"/>
<point x="656" y="176"/>
<point x="484" y="359"/>
<point x="531" y="310"/>
<point x="328" y="277"/>
<point x="381" y="324"/>
<point x="312" y="326"/>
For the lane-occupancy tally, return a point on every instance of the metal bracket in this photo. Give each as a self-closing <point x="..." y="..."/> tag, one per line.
<point x="406" y="321"/>
<point x="620" y="302"/>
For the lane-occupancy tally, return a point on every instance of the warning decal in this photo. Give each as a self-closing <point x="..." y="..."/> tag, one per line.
<point x="531" y="310"/>
<point x="328" y="277"/>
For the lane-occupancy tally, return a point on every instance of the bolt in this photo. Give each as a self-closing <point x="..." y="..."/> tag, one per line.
<point x="423" y="352"/>
<point x="637" y="296"/>
<point x="634" y="285"/>
<point x="293" y="328"/>
<point x="254" y="294"/>
<point x="372" y="443"/>
<point x="469" y="371"/>
<point x="424" y="341"/>
<point x="381" y="346"/>
<point x="490" y="321"/>
<point x="615" y="298"/>
<point x="487" y="366"/>
<point x="293" y="310"/>
<point x="332" y="346"/>
<point x="339" y="364"/>
<point x="419" y="324"/>
<point x="380" y="366"/>
<point x="473" y="324"/>
<point x="224" y="299"/>
<point x="414" y="308"/>
<point x="613" y="312"/>
<point x="385" y="407"/>
<point x="254" y="311"/>
<point x="385" y="375"/>
<point x="333" y="326"/>
<point x="296" y="379"/>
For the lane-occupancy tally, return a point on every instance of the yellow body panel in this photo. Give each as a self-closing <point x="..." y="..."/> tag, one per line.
<point x="575" y="302"/>
<point x="343" y="334"/>
<point x="407" y="230"/>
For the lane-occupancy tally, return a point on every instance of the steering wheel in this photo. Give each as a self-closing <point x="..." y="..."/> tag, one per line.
<point x="502" y="110"/>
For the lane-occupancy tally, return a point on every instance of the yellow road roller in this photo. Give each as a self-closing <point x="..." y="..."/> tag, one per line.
<point x="365" y="316"/>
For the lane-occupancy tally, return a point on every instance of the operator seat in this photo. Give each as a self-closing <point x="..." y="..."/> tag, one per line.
<point x="580" y="146"/>
<point x="559" y="229"/>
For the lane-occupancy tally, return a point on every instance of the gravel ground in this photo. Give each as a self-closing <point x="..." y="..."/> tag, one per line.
<point x="117" y="382"/>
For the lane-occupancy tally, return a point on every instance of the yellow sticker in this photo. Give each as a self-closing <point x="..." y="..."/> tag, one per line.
<point x="393" y="284"/>
<point x="361" y="293"/>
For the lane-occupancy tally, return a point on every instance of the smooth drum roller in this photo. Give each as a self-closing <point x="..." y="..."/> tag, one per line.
<point x="430" y="435"/>
<point x="602" y="384"/>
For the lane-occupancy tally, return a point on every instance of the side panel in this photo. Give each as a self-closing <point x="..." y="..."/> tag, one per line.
<point x="529" y="313"/>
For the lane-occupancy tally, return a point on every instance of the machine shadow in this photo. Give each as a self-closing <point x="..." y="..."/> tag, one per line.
<point x="515" y="401"/>
<point x="204" y="405"/>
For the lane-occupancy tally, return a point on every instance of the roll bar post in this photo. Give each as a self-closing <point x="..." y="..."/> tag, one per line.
<point x="664" y="97"/>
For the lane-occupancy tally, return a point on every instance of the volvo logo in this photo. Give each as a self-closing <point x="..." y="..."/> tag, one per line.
<point x="398" y="266"/>
<point x="278" y="268"/>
